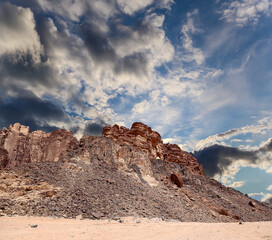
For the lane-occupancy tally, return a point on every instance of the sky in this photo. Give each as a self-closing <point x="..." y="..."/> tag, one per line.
<point x="198" y="72"/>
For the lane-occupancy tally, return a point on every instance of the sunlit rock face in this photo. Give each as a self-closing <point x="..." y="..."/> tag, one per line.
<point x="119" y="146"/>
<point x="141" y="136"/>
<point x="18" y="145"/>
<point x="126" y="172"/>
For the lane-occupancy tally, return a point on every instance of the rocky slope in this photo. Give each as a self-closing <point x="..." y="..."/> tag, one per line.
<point x="125" y="172"/>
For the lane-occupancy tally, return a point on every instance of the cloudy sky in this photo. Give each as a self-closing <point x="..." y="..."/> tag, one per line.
<point x="199" y="72"/>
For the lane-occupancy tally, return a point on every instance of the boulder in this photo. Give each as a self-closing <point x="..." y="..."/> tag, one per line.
<point x="252" y="204"/>
<point x="177" y="179"/>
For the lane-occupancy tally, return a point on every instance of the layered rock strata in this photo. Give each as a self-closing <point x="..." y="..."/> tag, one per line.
<point x="141" y="136"/>
<point x="119" y="146"/>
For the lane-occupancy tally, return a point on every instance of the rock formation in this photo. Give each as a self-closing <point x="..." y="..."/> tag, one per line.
<point x="142" y="137"/>
<point x="18" y="145"/>
<point x="125" y="172"/>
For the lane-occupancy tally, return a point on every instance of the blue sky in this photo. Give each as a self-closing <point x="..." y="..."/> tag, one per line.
<point x="198" y="72"/>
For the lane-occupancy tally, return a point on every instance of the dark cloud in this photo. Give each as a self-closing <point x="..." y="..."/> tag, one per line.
<point x="60" y="49"/>
<point x="269" y="200"/>
<point x="230" y="132"/>
<point x="21" y="67"/>
<point x="100" y="49"/>
<point x="136" y="64"/>
<point x="33" y="4"/>
<point x="216" y="158"/>
<point x="30" y="111"/>
<point x="267" y="147"/>
<point x="94" y="128"/>
<point x="97" y="42"/>
<point x="23" y="60"/>
<point x="102" y="45"/>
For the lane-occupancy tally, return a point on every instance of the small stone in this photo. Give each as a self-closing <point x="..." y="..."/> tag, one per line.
<point x="121" y="221"/>
<point x="34" y="226"/>
<point x="252" y="204"/>
<point x="79" y="217"/>
<point x="240" y="223"/>
<point x="177" y="179"/>
<point x="138" y="221"/>
<point x="50" y="193"/>
<point x="173" y="220"/>
<point x="116" y="218"/>
<point x="96" y="215"/>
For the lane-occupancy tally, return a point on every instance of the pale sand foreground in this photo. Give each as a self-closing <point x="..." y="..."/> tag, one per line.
<point x="12" y="228"/>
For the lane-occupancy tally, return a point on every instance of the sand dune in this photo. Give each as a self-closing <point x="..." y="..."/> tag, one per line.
<point x="15" y="228"/>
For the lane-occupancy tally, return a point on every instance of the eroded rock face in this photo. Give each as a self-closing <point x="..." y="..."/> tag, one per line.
<point x="121" y="156"/>
<point x="18" y="145"/>
<point x="119" y="146"/>
<point x="142" y="136"/>
<point x="53" y="174"/>
<point x="173" y="153"/>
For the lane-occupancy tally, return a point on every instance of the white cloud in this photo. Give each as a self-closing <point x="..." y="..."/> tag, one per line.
<point x="149" y="39"/>
<point x="237" y="184"/>
<point x="168" y="140"/>
<point x="192" y="53"/>
<point x="183" y="89"/>
<point x="269" y="188"/>
<point x="263" y="125"/>
<point x="94" y="82"/>
<point x="74" y="9"/>
<point x="229" y="172"/>
<point x="131" y="7"/>
<point x="66" y="8"/>
<point x="18" y="32"/>
<point x="246" y="11"/>
<point x="264" y="196"/>
<point x="165" y="4"/>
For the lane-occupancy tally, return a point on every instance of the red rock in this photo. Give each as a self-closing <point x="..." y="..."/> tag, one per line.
<point x="223" y="212"/>
<point x="49" y="193"/>
<point x="143" y="137"/>
<point x="18" y="145"/>
<point x="236" y="217"/>
<point x="252" y="204"/>
<point x="177" y="179"/>
<point x="173" y="153"/>
<point x="140" y="135"/>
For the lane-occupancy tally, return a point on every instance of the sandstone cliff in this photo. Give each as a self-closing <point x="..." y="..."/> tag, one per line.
<point x="130" y="146"/>
<point x="142" y="137"/>
<point x="125" y="172"/>
<point x="18" y="145"/>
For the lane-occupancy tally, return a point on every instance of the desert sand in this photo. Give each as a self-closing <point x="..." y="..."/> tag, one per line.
<point x="15" y="228"/>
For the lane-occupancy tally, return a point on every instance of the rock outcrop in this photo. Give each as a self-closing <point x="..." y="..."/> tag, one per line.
<point x="18" y="145"/>
<point x="126" y="172"/>
<point x="141" y="136"/>
<point x="127" y="146"/>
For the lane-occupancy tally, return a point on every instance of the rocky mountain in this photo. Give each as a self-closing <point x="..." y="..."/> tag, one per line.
<point x="125" y="172"/>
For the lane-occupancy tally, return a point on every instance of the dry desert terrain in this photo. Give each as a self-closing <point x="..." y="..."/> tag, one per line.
<point x="23" y="228"/>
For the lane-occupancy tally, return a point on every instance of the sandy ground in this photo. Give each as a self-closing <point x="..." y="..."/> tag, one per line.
<point x="12" y="228"/>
